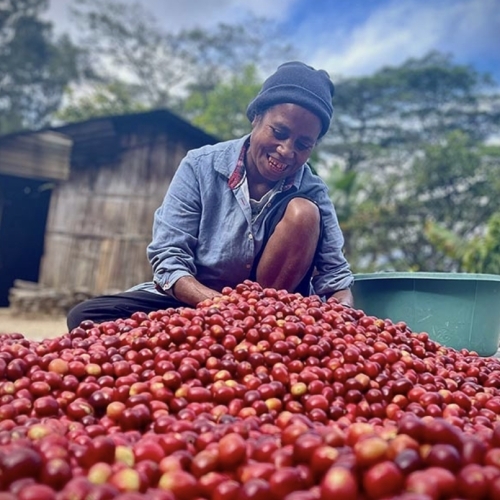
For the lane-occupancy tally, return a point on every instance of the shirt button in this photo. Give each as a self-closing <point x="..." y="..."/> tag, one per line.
<point x="250" y="236"/>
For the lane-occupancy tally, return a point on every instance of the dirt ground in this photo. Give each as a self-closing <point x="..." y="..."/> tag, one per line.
<point x="34" y="328"/>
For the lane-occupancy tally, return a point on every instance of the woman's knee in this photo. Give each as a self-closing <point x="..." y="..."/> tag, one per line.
<point x="302" y="214"/>
<point x="81" y="312"/>
<point x="74" y="317"/>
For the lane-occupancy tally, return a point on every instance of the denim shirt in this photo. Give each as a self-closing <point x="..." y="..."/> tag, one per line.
<point x="204" y="226"/>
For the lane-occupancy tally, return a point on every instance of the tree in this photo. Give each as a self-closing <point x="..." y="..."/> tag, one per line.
<point x="226" y="52"/>
<point x="414" y="136"/>
<point x="128" y="48"/>
<point x="185" y="72"/>
<point x="34" y="68"/>
<point x="470" y="235"/>
<point x="453" y="185"/>
<point x="480" y="254"/>
<point x="222" y="110"/>
<point x="386" y="117"/>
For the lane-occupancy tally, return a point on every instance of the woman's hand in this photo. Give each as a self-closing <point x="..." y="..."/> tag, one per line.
<point x="190" y="291"/>
<point x="345" y="297"/>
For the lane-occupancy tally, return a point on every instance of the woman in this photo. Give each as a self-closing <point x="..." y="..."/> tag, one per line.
<point x="248" y="208"/>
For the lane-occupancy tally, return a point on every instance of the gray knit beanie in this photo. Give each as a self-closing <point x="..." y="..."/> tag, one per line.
<point x="295" y="82"/>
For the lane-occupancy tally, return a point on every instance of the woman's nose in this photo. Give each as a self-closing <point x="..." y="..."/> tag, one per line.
<point x="286" y="149"/>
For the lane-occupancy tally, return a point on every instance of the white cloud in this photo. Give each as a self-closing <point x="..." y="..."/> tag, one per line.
<point x="174" y="15"/>
<point x="58" y="14"/>
<point x="276" y="9"/>
<point x="395" y="31"/>
<point x="403" y="29"/>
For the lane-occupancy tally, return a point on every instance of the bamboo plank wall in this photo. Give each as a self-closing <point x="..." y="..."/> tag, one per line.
<point x="100" y="221"/>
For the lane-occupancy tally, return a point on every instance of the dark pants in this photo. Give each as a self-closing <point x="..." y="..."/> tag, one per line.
<point x="123" y="305"/>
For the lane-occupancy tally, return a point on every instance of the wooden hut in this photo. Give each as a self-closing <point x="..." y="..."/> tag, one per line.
<point x="101" y="181"/>
<point x="31" y="166"/>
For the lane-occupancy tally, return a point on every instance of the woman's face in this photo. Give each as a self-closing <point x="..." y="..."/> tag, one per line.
<point x="281" y="142"/>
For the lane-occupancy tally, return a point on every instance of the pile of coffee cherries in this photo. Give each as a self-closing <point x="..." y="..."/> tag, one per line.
<point x="258" y="394"/>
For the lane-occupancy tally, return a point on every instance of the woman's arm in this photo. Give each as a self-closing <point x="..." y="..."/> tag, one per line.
<point x="333" y="275"/>
<point x="175" y="237"/>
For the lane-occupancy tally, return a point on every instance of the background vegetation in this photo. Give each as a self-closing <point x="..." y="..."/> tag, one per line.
<point x="410" y="158"/>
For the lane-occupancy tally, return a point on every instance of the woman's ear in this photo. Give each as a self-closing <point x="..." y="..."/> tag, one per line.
<point x="257" y="119"/>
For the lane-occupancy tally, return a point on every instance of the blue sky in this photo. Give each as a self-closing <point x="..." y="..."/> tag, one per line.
<point x="348" y="37"/>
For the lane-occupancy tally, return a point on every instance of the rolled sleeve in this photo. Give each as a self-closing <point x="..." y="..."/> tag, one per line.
<point x="333" y="272"/>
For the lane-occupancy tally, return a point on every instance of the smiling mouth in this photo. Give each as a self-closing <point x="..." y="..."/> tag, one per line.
<point x="276" y="165"/>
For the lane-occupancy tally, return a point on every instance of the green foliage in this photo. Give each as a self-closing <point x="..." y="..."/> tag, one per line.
<point x="483" y="254"/>
<point x="191" y="72"/>
<point x="400" y="108"/>
<point x="451" y="184"/>
<point x="347" y="188"/>
<point x="228" y="50"/>
<point x="415" y="134"/>
<point x="462" y="234"/>
<point x="222" y="111"/>
<point x="34" y="68"/>
<point x="414" y="179"/>
<point x="480" y="254"/>
<point x="455" y="185"/>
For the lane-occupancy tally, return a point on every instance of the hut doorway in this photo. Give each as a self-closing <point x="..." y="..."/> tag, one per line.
<point x="24" y="205"/>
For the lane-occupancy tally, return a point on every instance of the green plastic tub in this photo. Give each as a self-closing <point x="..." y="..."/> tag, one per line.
<point x="457" y="310"/>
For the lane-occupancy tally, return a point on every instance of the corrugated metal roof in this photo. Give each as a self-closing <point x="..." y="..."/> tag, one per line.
<point x="96" y="140"/>
<point x="160" y="117"/>
<point x="44" y="155"/>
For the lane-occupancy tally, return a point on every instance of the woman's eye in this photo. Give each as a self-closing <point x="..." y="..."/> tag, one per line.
<point x="279" y="134"/>
<point x="303" y="147"/>
<point x="283" y="135"/>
